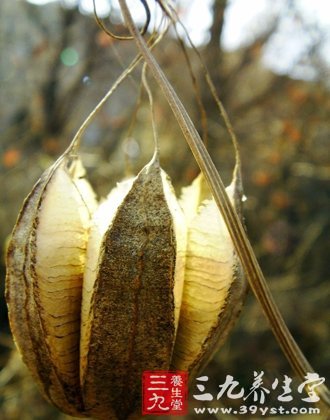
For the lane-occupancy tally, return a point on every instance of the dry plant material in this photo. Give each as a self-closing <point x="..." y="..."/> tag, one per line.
<point x="96" y="297"/>
<point x="243" y="247"/>
<point x="214" y="285"/>
<point x="94" y="294"/>
<point x="112" y="283"/>
<point x="132" y="291"/>
<point x="45" y="265"/>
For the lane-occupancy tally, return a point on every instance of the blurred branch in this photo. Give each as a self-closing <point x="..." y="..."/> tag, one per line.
<point x="53" y="121"/>
<point x="213" y="54"/>
<point x="12" y="369"/>
<point x="311" y="234"/>
<point x="67" y="102"/>
<point x="248" y="56"/>
<point x="276" y="85"/>
<point x="218" y="10"/>
<point x="34" y="15"/>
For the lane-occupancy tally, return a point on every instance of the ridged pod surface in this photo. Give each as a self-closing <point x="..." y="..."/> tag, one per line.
<point x="97" y="295"/>
<point x="214" y="285"/>
<point x="132" y="292"/>
<point x="45" y="265"/>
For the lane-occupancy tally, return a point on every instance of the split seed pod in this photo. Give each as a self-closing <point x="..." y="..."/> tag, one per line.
<point x="45" y="264"/>
<point x="132" y="292"/>
<point x="214" y="285"/>
<point x="123" y="301"/>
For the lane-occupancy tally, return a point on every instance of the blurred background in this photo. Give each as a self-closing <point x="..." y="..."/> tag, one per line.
<point x="270" y="63"/>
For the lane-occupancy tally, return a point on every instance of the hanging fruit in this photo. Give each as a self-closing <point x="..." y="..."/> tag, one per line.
<point x="132" y="291"/>
<point x="45" y="266"/>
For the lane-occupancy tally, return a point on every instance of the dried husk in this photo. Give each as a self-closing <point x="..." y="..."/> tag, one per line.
<point x="132" y="292"/>
<point x="155" y="295"/>
<point x="45" y="264"/>
<point x="214" y="285"/>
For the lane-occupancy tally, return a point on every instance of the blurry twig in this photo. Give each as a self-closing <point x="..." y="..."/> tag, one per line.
<point x="197" y="89"/>
<point x="311" y="234"/>
<point x="152" y="108"/>
<point x="175" y="18"/>
<point x="12" y="369"/>
<point x="6" y="341"/>
<point x="76" y="140"/>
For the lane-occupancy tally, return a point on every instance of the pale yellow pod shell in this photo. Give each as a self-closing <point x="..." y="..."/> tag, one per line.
<point x="45" y="265"/>
<point x="214" y="286"/>
<point x="94" y="303"/>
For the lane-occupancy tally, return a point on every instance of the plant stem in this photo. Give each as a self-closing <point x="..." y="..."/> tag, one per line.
<point x="243" y="247"/>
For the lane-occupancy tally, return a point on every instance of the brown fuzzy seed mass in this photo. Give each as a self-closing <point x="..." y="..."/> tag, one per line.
<point x="132" y="327"/>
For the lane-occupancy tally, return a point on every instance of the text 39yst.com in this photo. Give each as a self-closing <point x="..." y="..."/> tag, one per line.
<point x="253" y="409"/>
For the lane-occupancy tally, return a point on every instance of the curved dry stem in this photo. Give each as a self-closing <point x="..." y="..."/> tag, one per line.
<point x="152" y="108"/>
<point x="175" y="18"/>
<point x="75" y="143"/>
<point x="196" y="87"/>
<point x="76" y="140"/>
<point x="249" y="262"/>
<point x="118" y="37"/>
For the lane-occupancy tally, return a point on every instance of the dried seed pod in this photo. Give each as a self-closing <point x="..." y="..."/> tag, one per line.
<point x="214" y="286"/>
<point x="45" y="265"/>
<point x="132" y="292"/>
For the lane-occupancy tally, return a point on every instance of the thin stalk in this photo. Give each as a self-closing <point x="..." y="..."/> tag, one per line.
<point x="152" y="107"/>
<point x="75" y="143"/>
<point x="76" y="139"/>
<point x="243" y="247"/>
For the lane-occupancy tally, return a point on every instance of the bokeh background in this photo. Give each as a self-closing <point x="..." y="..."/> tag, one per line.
<point x="270" y="64"/>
